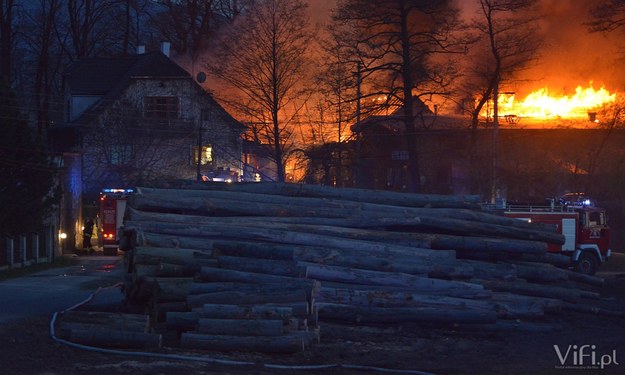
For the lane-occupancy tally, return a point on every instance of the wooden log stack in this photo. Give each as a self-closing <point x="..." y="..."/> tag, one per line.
<point x="259" y="267"/>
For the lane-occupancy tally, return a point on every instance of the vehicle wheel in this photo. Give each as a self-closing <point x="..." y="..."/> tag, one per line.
<point x="587" y="263"/>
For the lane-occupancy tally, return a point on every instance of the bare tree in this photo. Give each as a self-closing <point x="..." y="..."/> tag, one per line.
<point x="505" y="43"/>
<point x="263" y="58"/>
<point x="338" y="86"/>
<point x="607" y="15"/>
<point x="396" y="41"/>
<point x="37" y="33"/>
<point x="127" y="150"/>
<point x="90" y="28"/>
<point x="190" y="24"/>
<point x="135" y="15"/>
<point x="7" y="30"/>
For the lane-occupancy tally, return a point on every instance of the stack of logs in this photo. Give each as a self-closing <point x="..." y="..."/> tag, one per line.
<point x="256" y="267"/>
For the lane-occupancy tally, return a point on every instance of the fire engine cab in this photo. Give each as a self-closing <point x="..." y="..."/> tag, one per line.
<point x="112" y="209"/>
<point x="584" y="226"/>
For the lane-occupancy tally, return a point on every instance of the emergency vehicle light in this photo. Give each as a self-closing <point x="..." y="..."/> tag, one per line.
<point x="109" y="190"/>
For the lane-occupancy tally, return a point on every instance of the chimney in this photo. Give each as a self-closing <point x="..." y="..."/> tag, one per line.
<point x="140" y="49"/>
<point x="165" y="48"/>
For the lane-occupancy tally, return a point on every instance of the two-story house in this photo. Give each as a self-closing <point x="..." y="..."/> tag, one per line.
<point x="139" y="120"/>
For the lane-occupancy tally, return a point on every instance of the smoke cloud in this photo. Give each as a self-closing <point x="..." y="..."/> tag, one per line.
<point x="572" y="55"/>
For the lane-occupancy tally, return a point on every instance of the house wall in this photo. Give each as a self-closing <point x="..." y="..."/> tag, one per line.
<point x="162" y="150"/>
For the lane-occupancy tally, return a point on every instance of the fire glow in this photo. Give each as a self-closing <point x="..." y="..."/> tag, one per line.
<point x="543" y="105"/>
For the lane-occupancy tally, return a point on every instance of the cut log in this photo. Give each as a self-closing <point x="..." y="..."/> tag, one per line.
<point x="159" y="310"/>
<point x="547" y="305"/>
<point x="530" y="289"/>
<point x="182" y="320"/>
<point x="217" y="311"/>
<point x="170" y="289"/>
<point x="397" y="279"/>
<point x="487" y="270"/>
<point x="286" y="344"/>
<point x="343" y="258"/>
<point x="225" y="204"/>
<point x="131" y="322"/>
<point x="255" y="297"/>
<point x="156" y="255"/>
<point x="309" y="287"/>
<point x="149" y="239"/>
<point x="350" y="194"/>
<point x="586" y="279"/>
<point x="176" y="270"/>
<point x="242" y="327"/>
<point x="291" y="237"/>
<point x="595" y="310"/>
<point x="384" y="298"/>
<point x="271" y="267"/>
<point x="540" y="272"/>
<point x="432" y="315"/>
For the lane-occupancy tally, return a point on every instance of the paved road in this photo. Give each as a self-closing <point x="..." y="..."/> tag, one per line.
<point x="53" y="290"/>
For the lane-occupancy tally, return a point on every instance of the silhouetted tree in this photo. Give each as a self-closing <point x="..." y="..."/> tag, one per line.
<point x="7" y="30"/>
<point x="505" y="42"/>
<point x="607" y="15"/>
<point x="263" y="58"/>
<point x="190" y="24"/>
<point x="397" y="42"/>
<point x="26" y="174"/>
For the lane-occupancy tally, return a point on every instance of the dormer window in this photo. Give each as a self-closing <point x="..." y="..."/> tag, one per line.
<point x="161" y="107"/>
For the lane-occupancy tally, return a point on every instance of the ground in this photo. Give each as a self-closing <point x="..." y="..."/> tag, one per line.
<point x="27" y="348"/>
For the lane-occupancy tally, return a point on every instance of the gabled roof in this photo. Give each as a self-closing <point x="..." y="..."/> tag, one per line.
<point x="110" y="77"/>
<point x="98" y="76"/>
<point x="424" y="118"/>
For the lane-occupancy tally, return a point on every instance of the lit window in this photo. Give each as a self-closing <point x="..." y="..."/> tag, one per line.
<point x="206" y="157"/>
<point x="161" y="107"/>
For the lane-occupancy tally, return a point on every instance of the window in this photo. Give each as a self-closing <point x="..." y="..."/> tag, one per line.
<point x="161" y="107"/>
<point x="121" y="154"/>
<point x="205" y="158"/>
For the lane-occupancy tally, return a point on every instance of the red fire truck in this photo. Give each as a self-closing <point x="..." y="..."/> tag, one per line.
<point x="112" y="209"/>
<point x="584" y="226"/>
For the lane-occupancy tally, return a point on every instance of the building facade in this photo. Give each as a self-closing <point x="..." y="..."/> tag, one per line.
<point x="139" y="120"/>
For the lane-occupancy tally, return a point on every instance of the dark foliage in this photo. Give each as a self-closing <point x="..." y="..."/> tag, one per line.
<point x="26" y="172"/>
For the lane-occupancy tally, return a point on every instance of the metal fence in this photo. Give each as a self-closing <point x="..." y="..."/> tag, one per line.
<point x="23" y="250"/>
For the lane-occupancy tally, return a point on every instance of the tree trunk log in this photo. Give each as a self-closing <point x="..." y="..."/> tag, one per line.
<point x="290" y="237"/>
<point x="224" y="204"/>
<point x="251" y="297"/>
<point x="120" y="321"/>
<point x="157" y="255"/>
<point x="242" y="327"/>
<point x="219" y="311"/>
<point x="529" y="289"/>
<point x="434" y="315"/>
<point x="396" y="279"/>
<point x="271" y="267"/>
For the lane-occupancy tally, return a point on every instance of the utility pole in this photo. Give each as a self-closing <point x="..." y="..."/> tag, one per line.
<point x="199" y="146"/>
<point x="358" y="161"/>
<point x="495" y="162"/>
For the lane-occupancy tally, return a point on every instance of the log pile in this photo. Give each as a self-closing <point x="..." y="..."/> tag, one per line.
<point x="105" y="329"/>
<point x="257" y="267"/>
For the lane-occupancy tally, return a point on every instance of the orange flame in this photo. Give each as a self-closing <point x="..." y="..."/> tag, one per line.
<point x="543" y="105"/>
